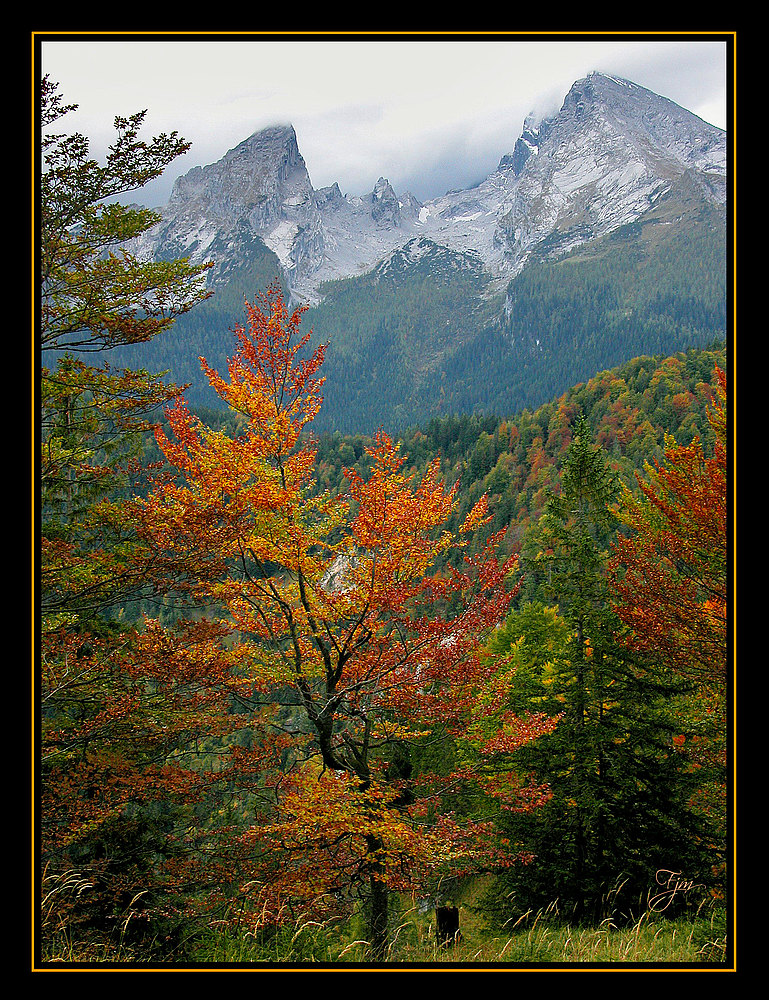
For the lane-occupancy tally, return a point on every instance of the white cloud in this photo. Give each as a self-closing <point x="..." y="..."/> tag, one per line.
<point x="428" y="115"/>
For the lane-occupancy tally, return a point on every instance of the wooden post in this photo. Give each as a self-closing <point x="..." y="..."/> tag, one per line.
<point x="447" y="925"/>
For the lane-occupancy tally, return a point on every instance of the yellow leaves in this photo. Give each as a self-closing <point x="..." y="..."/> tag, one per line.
<point x="270" y="382"/>
<point x="714" y="611"/>
<point x="396" y="520"/>
<point x="402" y="732"/>
<point x="669" y="573"/>
<point x="323" y="808"/>
<point x="333" y="597"/>
<point x="477" y="516"/>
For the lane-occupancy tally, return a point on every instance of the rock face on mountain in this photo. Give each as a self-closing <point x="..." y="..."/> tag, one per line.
<point x="259" y="189"/>
<point x="606" y="158"/>
<point x="611" y="152"/>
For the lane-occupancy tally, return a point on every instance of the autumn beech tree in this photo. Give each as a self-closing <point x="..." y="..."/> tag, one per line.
<point x="359" y="650"/>
<point x="670" y="571"/>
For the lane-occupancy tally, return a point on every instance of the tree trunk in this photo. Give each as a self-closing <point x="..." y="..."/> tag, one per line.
<point x="378" y="906"/>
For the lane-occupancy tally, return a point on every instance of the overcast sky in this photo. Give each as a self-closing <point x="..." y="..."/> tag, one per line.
<point x="427" y="115"/>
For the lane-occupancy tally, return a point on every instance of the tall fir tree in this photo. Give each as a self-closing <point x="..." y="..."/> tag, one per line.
<point x="618" y="805"/>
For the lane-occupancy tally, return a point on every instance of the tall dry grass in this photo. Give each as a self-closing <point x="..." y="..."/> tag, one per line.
<point x="534" y="939"/>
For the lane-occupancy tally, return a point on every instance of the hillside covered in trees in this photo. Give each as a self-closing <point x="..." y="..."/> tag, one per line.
<point x="517" y="459"/>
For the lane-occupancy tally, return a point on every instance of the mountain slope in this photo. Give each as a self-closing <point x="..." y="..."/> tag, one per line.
<point x="613" y="150"/>
<point x="601" y="236"/>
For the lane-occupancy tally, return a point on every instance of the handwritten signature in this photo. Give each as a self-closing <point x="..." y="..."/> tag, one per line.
<point x="673" y="884"/>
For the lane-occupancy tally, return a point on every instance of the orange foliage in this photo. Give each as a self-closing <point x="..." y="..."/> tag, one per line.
<point x="670" y="573"/>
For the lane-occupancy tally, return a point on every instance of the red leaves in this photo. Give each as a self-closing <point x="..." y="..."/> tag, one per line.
<point x="670" y="572"/>
<point x="670" y="583"/>
<point x="270" y="381"/>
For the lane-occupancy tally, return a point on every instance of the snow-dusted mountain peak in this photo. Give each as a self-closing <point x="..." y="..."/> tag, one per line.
<point x="603" y="160"/>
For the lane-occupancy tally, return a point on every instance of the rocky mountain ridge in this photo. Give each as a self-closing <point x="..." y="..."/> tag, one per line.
<point x="606" y="158"/>
<point x="600" y="237"/>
